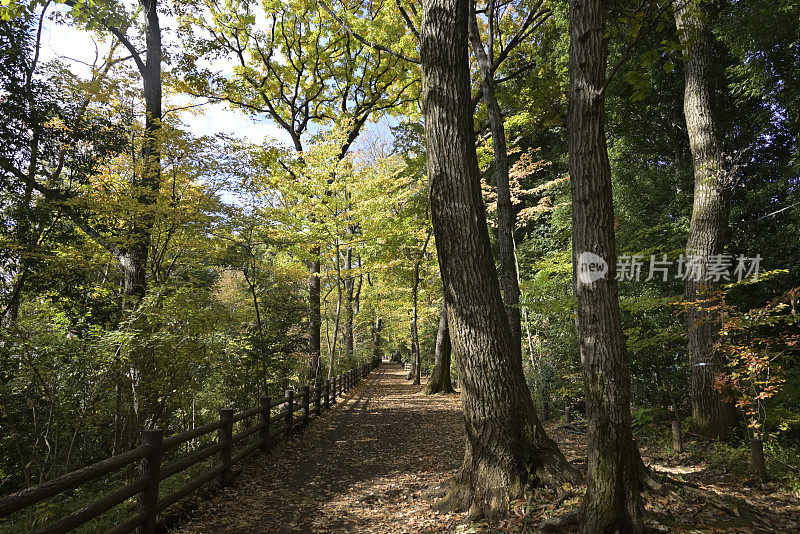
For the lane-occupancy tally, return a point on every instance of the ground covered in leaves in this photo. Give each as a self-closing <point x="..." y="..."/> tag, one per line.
<point x="372" y="463"/>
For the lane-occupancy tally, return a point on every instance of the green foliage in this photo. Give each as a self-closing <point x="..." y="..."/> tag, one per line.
<point x="84" y="367"/>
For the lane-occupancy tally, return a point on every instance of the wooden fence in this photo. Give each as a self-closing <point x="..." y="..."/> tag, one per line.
<point x="152" y="471"/>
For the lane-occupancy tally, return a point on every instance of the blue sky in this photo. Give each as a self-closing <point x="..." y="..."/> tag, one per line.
<point x="78" y="48"/>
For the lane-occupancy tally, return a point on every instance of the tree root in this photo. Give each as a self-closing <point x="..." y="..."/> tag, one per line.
<point x="559" y="523"/>
<point x="437" y="389"/>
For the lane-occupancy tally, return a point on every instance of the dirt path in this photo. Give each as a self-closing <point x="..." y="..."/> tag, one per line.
<point x="359" y="468"/>
<point x="367" y="465"/>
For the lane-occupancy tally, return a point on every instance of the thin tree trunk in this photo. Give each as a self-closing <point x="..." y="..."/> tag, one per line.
<point x="509" y="286"/>
<point x="415" y="354"/>
<point x="412" y="370"/>
<point x="24" y="241"/>
<point x="349" y="288"/>
<point x="440" y="382"/>
<point x="314" y="317"/>
<point x="415" y="328"/>
<point x="612" y="501"/>
<point x="711" y="415"/>
<point x="339" y="294"/>
<point x="506" y="450"/>
<point x="377" y="351"/>
<point x="134" y="259"/>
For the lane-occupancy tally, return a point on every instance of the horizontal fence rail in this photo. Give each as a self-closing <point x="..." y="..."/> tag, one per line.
<point x="152" y="470"/>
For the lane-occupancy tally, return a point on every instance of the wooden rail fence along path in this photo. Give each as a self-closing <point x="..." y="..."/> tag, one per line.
<point x="267" y="421"/>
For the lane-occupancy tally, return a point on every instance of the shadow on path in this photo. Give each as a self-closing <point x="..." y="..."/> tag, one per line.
<point x="359" y="468"/>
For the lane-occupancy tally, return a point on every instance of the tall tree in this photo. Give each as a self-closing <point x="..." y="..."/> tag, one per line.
<point x="712" y="415"/>
<point x="440" y="382"/>
<point x="506" y="450"/>
<point x="131" y="252"/>
<point x="487" y="64"/>
<point x="298" y="71"/>
<point x="612" y="501"/>
<point x="132" y="256"/>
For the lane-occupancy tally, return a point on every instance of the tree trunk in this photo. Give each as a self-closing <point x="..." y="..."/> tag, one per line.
<point x="314" y="318"/>
<point x="612" y="501"/>
<point x="414" y="329"/>
<point x="134" y="259"/>
<point x="440" y="382"/>
<point x="25" y="242"/>
<point x="711" y="415"/>
<point x="509" y="286"/>
<point x="349" y="287"/>
<point x="506" y="450"/>
<point x="332" y="342"/>
<point x="377" y="352"/>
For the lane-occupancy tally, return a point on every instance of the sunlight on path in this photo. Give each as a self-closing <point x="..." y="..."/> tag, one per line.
<point x="363" y="467"/>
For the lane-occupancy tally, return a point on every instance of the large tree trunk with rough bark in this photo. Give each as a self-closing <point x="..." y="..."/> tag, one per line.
<point x="507" y="451"/>
<point x="440" y="382"/>
<point x="509" y="284"/>
<point x="712" y="415"/>
<point x="612" y="501"/>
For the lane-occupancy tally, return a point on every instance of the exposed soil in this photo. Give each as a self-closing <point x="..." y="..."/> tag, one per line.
<point x="371" y="463"/>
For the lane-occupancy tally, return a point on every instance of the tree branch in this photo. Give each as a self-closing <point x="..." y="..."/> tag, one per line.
<point x="626" y="55"/>
<point x="371" y="44"/>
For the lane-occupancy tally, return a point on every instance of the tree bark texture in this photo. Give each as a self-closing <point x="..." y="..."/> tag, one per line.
<point x="440" y="382"/>
<point x="712" y="415"/>
<point x="612" y="501"/>
<point x="506" y="449"/>
<point x="509" y="285"/>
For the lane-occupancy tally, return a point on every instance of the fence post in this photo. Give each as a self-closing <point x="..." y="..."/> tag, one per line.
<point x="317" y="397"/>
<point x="306" y="393"/>
<point x="263" y="419"/>
<point x="225" y="435"/>
<point x="334" y="384"/>
<point x="677" y="439"/>
<point x="327" y="394"/>
<point x="150" y="468"/>
<point x="757" y="468"/>
<point x="289" y="411"/>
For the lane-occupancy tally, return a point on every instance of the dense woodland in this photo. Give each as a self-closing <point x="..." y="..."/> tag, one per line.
<point x="448" y="168"/>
